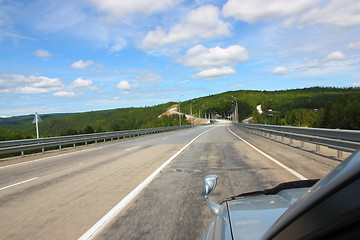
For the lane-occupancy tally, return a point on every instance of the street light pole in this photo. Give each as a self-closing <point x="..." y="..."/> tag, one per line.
<point x="179" y="114"/>
<point x="179" y="110"/>
<point x="236" y="110"/>
<point x="191" y="112"/>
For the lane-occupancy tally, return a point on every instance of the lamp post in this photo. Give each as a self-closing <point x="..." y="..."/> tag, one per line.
<point x="191" y="112"/>
<point x="236" y="110"/>
<point x="179" y="110"/>
<point x="233" y="108"/>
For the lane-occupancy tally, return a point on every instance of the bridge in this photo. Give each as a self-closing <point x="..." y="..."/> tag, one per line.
<point x="146" y="187"/>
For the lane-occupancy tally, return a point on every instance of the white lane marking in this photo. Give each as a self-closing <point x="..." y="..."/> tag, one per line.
<point x="131" y="148"/>
<point x="271" y="158"/>
<point x="95" y="148"/>
<point x="61" y="155"/>
<point x="126" y="200"/>
<point x="165" y="138"/>
<point x="42" y="159"/>
<point x="12" y="185"/>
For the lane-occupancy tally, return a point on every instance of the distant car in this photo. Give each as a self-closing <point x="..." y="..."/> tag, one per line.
<point x="310" y="209"/>
<point x="212" y="121"/>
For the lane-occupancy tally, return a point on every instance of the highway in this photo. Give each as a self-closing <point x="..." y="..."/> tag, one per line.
<point x="79" y="193"/>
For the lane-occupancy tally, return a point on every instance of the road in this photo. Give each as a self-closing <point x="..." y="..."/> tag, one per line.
<point x="63" y="195"/>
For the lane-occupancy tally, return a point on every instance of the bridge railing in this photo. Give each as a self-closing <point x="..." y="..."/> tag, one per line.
<point x="43" y="143"/>
<point x="339" y="139"/>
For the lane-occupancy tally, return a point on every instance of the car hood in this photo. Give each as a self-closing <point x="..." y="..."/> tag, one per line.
<point x="251" y="216"/>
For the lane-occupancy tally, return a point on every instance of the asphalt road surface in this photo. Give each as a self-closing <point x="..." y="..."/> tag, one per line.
<point x="62" y="195"/>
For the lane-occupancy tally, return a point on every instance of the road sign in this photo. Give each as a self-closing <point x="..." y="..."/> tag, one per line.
<point x="37" y="118"/>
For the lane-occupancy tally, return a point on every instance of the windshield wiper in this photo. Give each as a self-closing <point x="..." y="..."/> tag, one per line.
<point x="277" y="189"/>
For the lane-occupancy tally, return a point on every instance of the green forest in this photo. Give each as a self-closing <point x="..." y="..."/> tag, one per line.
<point x="88" y="122"/>
<point x="323" y="107"/>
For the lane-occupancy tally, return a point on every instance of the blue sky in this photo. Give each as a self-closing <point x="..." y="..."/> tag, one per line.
<point x="86" y="55"/>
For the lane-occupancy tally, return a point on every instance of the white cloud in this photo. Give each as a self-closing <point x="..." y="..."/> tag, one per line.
<point x="335" y="56"/>
<point x="308" y="65"/>
<point x="19" y="84"/>
<point x="29" y="85"/>
<point x="66" y="94"/>
<point x="213" y="73"/>
<point x="280" y="70"/>
<point x="5" y="91"/>
<point x="55" y="16"/>
<point x="77" y="20"/>
<point x="201" y="23"/>
<point x="42" y="53"/>
<point x="81" y="64"/>
<point x="334" y="61"/>
<point x="31" y="90"/>
<point x="149" y="78"/>
<point x="288" y="22"/>
<point x="203" y="58"/>
<point x="341" y="13"/>
<point x="119" y="44"/>
<point x="122" y="9"/>
<point x="123" y="85"/>
<point x="45" y="82"/>
<point x="82" y="84"/>
<point x="7" y="81"/>
<point x="177" y="84"/>
<point x="214" y="62"/>
<point x="356" y="84"/>
<point x="14" y="35"/>
<point x="263" y="10"/>
<point x="353" y="46"/>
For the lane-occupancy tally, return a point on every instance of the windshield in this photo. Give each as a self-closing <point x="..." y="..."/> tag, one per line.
<point x="112" y="112"/>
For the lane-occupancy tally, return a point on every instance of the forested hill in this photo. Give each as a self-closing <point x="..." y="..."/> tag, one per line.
<point x="311" y="107"/>
<point x="87" y="122"/>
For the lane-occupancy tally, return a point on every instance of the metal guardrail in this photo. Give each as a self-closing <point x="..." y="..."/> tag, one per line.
<point x="339" y="139"/>
<point x="42" y="143"/>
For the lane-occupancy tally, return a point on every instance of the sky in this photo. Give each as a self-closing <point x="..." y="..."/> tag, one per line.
<point x="87" y="55"/>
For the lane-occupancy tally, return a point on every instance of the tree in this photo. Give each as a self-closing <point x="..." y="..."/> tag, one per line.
<point x="89" y="129"/>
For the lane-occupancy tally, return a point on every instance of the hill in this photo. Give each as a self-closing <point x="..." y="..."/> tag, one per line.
<point x="88" y="122"/>
<point x="311" y="107"/>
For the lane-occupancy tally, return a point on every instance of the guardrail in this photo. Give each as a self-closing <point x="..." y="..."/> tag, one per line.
<point x="339" y="139"/>
<point x="43" y="143"/>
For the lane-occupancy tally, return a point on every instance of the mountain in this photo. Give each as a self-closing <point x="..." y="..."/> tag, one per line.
<point x="89" y="122"/>
<point x="311" y="107"/>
